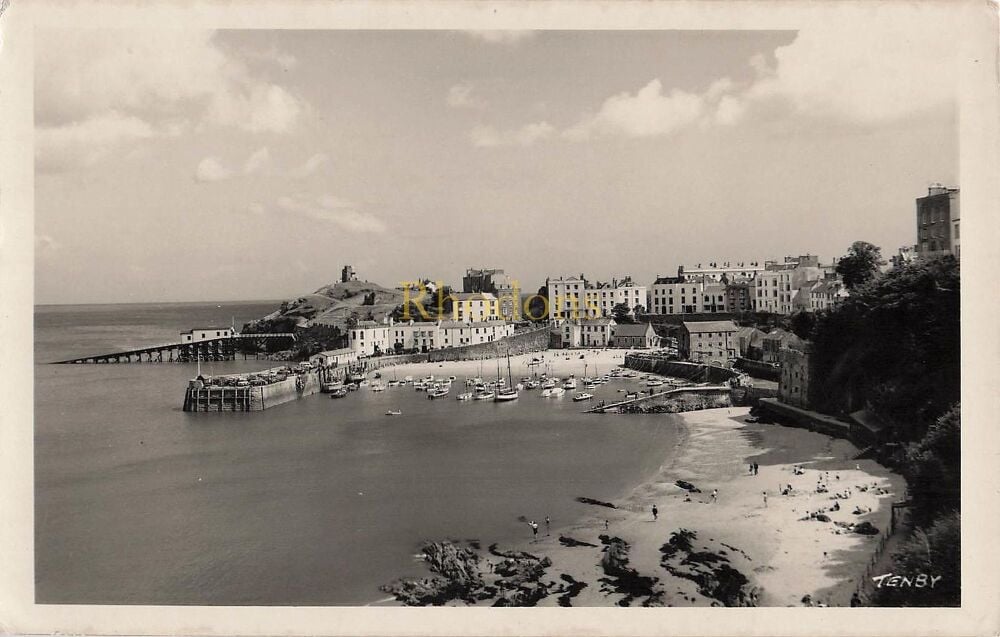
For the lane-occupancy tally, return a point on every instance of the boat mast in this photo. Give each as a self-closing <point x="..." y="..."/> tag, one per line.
<point x="510" y="379"/>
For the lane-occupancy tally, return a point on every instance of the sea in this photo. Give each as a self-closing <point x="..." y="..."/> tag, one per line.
<point x="314" y="502"/>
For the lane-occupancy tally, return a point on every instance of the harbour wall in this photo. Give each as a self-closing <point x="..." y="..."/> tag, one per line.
<point x="253" y="398"/>
<point x="535" y="340"/>
<point x="678" y="369"/>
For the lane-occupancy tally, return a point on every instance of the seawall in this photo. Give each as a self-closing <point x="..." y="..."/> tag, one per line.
<point x="253" y="398"/>
<point x="535" y="340"/>
<point x="678" y="369"/>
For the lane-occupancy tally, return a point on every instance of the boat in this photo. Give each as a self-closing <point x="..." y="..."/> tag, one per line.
<point x="546" y="392"/>
<point x="486" y="395"/>
<point x="548" y="384"/>
<point x="330" y="387"/>
<point x="570" y="383"/>
<point x="338" y="393"/>
<point x="438" y="392"/>
<point x="532" y="384"/>
<point x="377" y="387"/>
<point x="557" y="392"/>
<point x="510" y="392"/>
<point x="394" y="383"/>
<point x="394" y="412"/>
<point x="632" y="394"/>
<point x="654" y="383"/>
<point x="465" y="396"/>
<point x="582" y="396"/>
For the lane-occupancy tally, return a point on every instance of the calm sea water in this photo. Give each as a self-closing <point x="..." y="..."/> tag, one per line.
<point x="317" y="501"/>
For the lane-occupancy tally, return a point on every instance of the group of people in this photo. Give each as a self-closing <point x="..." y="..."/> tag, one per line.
<point x="534" y="527"/>
<point x="754" y="468"/>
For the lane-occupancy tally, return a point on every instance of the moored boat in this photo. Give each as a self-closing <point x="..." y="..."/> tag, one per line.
<point x="582" y="396"/>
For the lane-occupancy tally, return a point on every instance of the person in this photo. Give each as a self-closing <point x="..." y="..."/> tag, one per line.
<point x="548" y="524"/>
<point x="605" y="525"/>
<point x="656" y="512"/>
<point x="715" y="495"/>
<point x="756" y="468"/>
<point x="534" y="528"/>
<point x="765" y="498"/>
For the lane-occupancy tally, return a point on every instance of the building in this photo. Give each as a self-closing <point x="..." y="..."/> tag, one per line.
<point x="713" y="297"/>
<point x="937" y="222"/>
<point x="749" y="343"/>
<point x="368" y="338"/>
<point x="793" y="384"/>
<point x="348" y="274"/>
<point x="708" y="341"/>
<point x="778" y="285"/>
<point x="775" y="341"/>
<point x="496" y="282"/>
<point x="475" y="306"/>
<point x="200" y="334"/>
<point x="635" y="336"/>
<point x="578" y="298"/>
<point x="824" y="295"/>
<point x="717" y="271"/>
<point x="596" y="332"/>
<point x="334" y="358"/>
<point x="674" y="295"/>
<point x="739" y="296"/>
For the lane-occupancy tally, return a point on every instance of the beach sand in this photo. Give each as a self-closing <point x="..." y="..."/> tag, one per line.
<point x="783" y="556"/>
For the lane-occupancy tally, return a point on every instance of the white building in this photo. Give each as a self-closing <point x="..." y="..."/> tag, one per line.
<point x="475" y="306"/>
<point x="578" y="298"/>
<point x="715" y="271"/>
<point x="369" y="337"/>
<point x="675" y="295"/>
<point x="334" y="358"/>
<point x="778" y="286"/>
<point x="200" y="334"/>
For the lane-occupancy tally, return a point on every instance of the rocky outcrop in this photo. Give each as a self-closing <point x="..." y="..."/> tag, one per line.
<point x="625" y="580"/>
<point x="594" y="502"/>
<point x="569" y="541"/>
<point x="711" y="571"/>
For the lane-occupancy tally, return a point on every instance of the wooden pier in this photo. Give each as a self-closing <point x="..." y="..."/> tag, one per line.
<point x="224" y="348"/>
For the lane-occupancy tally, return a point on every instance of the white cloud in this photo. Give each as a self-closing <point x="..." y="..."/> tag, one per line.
<point x="257" y="161"/>
<point x="509" y="36"/>
<point x="647" y="113"/>
<point x="460" y="96"/>
<point x="334" y="210"/>
<point x="212" y="169"/>
<point x="88" y="141"/>
<point x="171" y="79"/>
<point x="729" y="110"/>
<point x="489" y="137"/>
<point x="864" y="70"/>
<point x="311" y="165"/>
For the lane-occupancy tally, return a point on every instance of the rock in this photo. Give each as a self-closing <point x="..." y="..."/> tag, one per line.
<point x="713" y="574"/>
<point x="866" y="528"/>
<point x="625" y="580"/>
<point x="568" y="541"/>
<point x="596" y="502"/>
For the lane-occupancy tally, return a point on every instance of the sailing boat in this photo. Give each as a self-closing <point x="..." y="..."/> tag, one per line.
<point x="509" y="392"/>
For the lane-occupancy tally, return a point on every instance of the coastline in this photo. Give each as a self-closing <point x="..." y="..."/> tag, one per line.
<point x="782" y="556"/>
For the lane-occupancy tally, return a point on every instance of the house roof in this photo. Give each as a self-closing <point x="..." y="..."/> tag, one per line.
<point x="473" y="296"/>
<point x="633" y="329"/>
<point x="696" y="327"/>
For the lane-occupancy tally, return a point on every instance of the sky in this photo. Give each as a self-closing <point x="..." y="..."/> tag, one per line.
<point x="235" y="165"/>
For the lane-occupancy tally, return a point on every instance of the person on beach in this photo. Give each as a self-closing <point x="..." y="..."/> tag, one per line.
<point x="534" y="528"/>
<point x="605" y="525"/>
<point x="715" y="495"/>
<point x="756" y="468"/>
<point x="548" y="523"/>
<point x="656" y="512"/>
<point x="765" y="498"/>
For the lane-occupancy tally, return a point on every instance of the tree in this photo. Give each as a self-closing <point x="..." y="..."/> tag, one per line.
<point x="622" y="313"/>
<point x="860" y="265"/>
<point x="934" y="551"/>
<point x="802" y="324"/>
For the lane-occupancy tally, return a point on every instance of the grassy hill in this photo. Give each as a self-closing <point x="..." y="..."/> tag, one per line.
<point x="331" y="306"/>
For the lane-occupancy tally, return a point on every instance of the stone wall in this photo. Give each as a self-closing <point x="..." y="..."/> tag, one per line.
<point x="535" y="340"/>
<point x="679" y="369"/>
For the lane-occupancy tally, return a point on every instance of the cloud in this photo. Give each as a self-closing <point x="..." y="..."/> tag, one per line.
<point x="257" y="161"/>
<point x="87" y="142"/>
<point x="647" y="113"/>
<point x="169" y="79"/>
<point x="212" y="169"/>
<point x="311" y="165"/>
<point x="489" y="137"/>
<point x="460" y="96"/>
<point x="866" y="71"/>
<point x="334" y="210"/>
<point x="496" y="36"/>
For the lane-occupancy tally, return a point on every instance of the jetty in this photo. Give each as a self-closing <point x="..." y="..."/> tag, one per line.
<point x="223" y="348"/>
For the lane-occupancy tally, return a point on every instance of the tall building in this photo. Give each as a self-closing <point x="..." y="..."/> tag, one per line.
<point x="937" y="222"/>
<point x="578" y="298"/>
<point x="495" y="281"/>
<point x="715" y="271"/>
<point x="348" y="274"/>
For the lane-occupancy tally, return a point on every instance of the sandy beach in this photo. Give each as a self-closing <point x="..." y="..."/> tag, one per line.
<point x="783" y="553"/>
